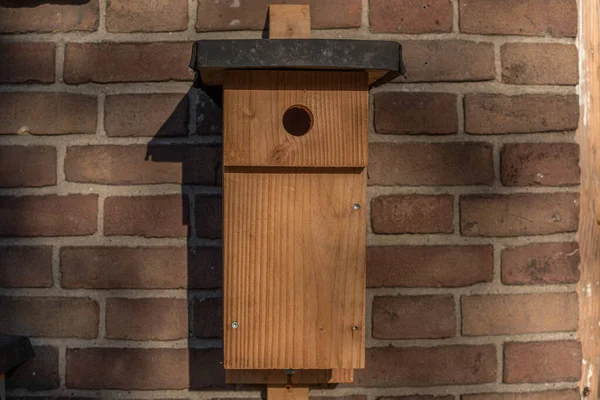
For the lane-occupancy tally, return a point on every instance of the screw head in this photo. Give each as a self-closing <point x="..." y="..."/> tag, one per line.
<point x="234" y="325"/>
<point x="355" y="328"/>
<point x="356" y="206"/>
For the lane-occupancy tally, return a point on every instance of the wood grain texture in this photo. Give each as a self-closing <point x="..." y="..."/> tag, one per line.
<point x="287" y="21"/>
<point x="287" y="392"/>
<point x="294" y="267"/>
<point x="589" y="219"/>
<point x="254" y="103"/>
<point x="277" y="376"/>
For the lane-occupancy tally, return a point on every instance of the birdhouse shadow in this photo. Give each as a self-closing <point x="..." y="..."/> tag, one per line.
<point x="199" y="154"/>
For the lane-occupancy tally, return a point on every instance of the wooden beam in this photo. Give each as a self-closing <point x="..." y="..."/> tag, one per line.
<point x="588" y="136"/>
<point x="287" y="392"/>
<point x="287" y="21"/>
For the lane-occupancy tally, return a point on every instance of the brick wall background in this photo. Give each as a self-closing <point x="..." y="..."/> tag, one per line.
<point x="110" y="198"/>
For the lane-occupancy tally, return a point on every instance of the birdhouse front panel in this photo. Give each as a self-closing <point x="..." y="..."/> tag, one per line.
<point x="294" y="208"/>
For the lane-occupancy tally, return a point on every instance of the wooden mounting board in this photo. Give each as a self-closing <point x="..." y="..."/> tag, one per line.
<point x="294" y="267"/>
<point x="300" y="377"/>
<point x="254" y="103"/>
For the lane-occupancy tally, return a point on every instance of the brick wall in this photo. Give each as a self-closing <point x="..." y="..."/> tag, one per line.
<point x="110" y="198"/>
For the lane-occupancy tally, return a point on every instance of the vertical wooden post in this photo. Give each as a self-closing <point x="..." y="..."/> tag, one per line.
<point x="588" y="136"/>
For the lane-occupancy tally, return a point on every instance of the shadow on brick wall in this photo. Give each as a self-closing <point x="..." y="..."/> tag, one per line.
<point x="36" y="3"/>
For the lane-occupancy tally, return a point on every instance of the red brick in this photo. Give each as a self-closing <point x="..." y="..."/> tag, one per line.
<point x="208" y="318"/>
<point x="26" y="266"/>
<point x="414" y="317"/>
<point x="427" y="164"/>
<point x="146" y="15"/>
<point x="412" y="214"/>
<point x="148" y="216"/>
<point x="39" y="373"/>
<point x="537" y="362"/>
<point x="410" y="16"/>
<point x="519" y="214"/>
<point x="529" y="113"/>
<point x="26" y="62"/>
<point x="127" y="368"/>
<point x="519" y="313"/>
<point x="146" y="319"/>
<point x="515" y="17"/>
<point x="209" y="216"/>
<point x="144" y="164"/>
<point x="156" y="115"/>
<point x="49" y="317"/>
<point x="95" y="62"/>
<point x="251" y="15"/>
<point x="141" y="267"/>
<point x="546" y="164"/>
<point x="50" y="215"/>
<point x="447" y="61"/>
<point x="47" y="113"/>
<point x="569" y="394"/>
<point x="427" y="366"/>
<point x="33" y="166"/>
<point x="419" y="120"/>
<point x="539" y="64"/>
<point x="544" y="263"/>
<point x="429" y="266"/>
<point x="48" y="17"/>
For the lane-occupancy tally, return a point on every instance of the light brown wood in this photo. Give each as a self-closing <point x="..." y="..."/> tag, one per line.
<point x="277" y="376"/>
<point x="294" y="267"/>
<point x="588" y="136"/>
<point x="255" y="102"/>
<point x="289" y="21"/>
<point x="287" y="392"/>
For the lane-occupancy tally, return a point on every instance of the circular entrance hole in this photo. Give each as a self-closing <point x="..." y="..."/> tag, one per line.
<point x="297" y="120"/>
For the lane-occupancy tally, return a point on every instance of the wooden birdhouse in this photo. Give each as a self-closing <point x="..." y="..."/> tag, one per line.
<point x="295" y="145"/>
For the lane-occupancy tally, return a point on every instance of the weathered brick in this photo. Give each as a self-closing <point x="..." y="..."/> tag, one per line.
<point x="127" y="369"/>
<point x="569" y="394"/>
<point x="515" y="17"/>
<point x="539" y="64"/>
<point x="26" y="266"/>
<point x="50" y="215"/>
<point x="26" y="62"/>
<point x="447" y="61"/>
<point x="544" y="263"/>
<point x="156" y="115"/>
<point x="22" y="166"/>
<point x="251" y="15"/>
<point x="413" y="317"/>
<point x="148" y="216"/>
<point x="519" y="214"/>
<point x="209" y="216"/>
<point x="419" y="164"/>
<point x="95" y="62"/>
<point x="519" y="313"/>
<point x="412" y="214"/>
<point x="47" y="113"/>
<point x="208" y="318"/>
<point x="146" y="319"/>
<point x="536" y="362"/>
<point x="49" y="16"/>
<point x="49" y="317"/>
<point x="528" y="113"/>
<point x="141" y="267"/>
<point x="547" y="164"/>
<point x="427" y="366"/>
<point x="144" y="164"/>
<point x="429" y="266"/>
<point x="39" y="373"/>
<point x="410" y="16"/>
<point x="389" y="118"/>
<point x="146" y="15"/>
